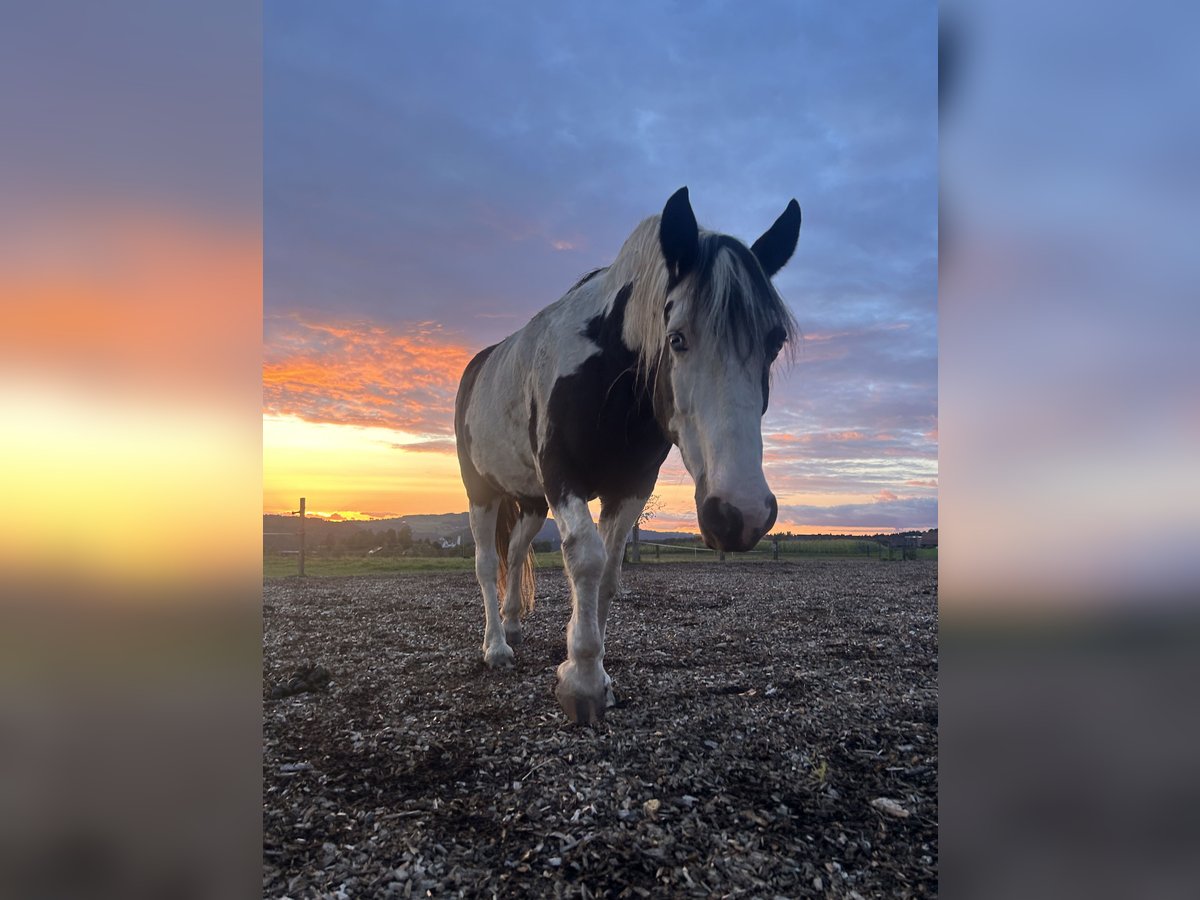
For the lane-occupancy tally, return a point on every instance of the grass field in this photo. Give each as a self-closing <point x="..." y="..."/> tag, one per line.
<point x="283" y="565"/>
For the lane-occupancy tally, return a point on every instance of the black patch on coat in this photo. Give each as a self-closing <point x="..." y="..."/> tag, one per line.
<point x="605" y="330"/>
<point x="588" y="277"/>
<point x="481" y="490"/>
<point x="533" y="506"/>
<point x="602" y="438"/>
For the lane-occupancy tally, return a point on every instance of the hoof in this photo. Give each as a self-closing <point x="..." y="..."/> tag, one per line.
<point x="500" y="657"/>
<point x="582" y="694"/>
<point x="581" y="709"/>
<point x="513" y="635"/>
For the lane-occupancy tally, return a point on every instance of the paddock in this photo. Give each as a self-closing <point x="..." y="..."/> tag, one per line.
<point x="776" y="734"/>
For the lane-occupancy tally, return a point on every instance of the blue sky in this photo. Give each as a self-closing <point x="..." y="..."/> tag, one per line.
<point x="453" y="169"/>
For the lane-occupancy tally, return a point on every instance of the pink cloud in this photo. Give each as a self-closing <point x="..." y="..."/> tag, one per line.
<point x="363" y="374"/>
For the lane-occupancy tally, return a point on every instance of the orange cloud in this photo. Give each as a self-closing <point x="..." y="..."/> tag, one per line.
<point x="403" y="378"/>
<point x="821" y="437"/>
<point x="846" y="444"/>
<point x="112" y="295"/>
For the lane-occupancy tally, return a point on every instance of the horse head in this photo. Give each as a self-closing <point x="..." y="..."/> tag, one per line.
<point x="723" y="325"/>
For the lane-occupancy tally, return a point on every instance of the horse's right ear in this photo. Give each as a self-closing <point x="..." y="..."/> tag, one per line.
<point x="679" y="234"/>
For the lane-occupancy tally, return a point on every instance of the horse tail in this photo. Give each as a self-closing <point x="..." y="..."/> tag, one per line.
<point x="506" y="519"/>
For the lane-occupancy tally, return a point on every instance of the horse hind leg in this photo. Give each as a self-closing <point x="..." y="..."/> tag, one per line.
<point x="518" y="596"/>
<point x="617" y="517"/>
<point x="496" y="651"/>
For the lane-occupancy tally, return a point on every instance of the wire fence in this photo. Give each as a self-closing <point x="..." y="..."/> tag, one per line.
<point x="281" y="545"/>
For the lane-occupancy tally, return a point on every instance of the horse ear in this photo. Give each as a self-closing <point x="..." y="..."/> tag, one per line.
<point x="679" y="234"/>
<point x="778" y="244"/>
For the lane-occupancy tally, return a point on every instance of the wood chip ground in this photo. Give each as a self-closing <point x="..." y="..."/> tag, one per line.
<point x="764" y="709"/>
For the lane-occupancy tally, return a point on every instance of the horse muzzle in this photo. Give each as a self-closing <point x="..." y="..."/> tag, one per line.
<point x="729" y="528"/>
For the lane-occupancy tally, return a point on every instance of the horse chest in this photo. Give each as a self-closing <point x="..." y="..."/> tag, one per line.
<point x="602" y="438"/>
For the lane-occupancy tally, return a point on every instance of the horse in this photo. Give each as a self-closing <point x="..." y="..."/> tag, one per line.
<point x="671" y="344"/>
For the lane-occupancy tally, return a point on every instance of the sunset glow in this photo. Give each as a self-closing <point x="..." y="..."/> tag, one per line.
<point x="354" y="471"/>
<point x="129" y="341"/>
<point x="398" y="245"/>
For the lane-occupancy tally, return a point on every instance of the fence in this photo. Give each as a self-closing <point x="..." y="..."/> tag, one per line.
<point x="299" y="534"/>
<point x="894" y="547"/>
<point x="901" y="547"/>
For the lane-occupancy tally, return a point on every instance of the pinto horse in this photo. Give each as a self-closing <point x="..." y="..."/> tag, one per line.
<point x="671" y="344"/>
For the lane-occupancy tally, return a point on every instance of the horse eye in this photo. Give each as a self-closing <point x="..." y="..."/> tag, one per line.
<point x="678" y="341"/>
<point x="775" y="340"/>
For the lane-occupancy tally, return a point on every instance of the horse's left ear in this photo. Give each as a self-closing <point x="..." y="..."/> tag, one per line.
<point x="778" y="244"/>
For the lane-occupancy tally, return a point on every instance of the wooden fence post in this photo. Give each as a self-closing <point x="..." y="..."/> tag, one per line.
<point x="301" y="537"/>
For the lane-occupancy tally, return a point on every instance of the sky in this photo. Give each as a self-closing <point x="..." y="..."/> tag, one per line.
<point x="433" y="176"/>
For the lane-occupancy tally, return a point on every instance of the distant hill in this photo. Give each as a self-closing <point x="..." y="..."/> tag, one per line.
<point x="443" y="526"/>
<point x="279" y="531"/>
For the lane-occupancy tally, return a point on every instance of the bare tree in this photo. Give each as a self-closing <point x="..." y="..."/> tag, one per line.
<point x="649" y="511"/>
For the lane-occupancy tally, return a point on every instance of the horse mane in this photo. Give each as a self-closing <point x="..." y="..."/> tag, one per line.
<point x="733" y="301"/>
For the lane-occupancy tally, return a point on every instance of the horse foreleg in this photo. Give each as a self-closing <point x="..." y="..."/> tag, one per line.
<point x="496" y="652"/>
<point x="582" y="682"/>
<point x="522" y="536"/>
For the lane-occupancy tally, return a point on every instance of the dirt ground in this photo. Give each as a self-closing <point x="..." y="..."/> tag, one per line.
<point x="776" y="736"/>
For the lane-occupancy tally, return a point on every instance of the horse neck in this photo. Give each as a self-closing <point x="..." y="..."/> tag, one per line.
<point x="640" y="265"/>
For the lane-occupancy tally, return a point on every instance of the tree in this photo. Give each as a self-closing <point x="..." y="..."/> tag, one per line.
<point x="404" y="536"/>
<point x="649" y="511"/>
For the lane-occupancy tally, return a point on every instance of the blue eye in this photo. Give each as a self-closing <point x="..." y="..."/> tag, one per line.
<point x="677" y="341"/>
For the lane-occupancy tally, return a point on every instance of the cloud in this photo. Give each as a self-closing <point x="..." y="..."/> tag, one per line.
<point x="402" y="187"/>
<point x="111" y="291"/>
<point x="362" y="373"/>
<point x="427" y="447"/>
<point x="885" y="513"/>
<point x="867" y="443"/>
<point x="399" y="182"/>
